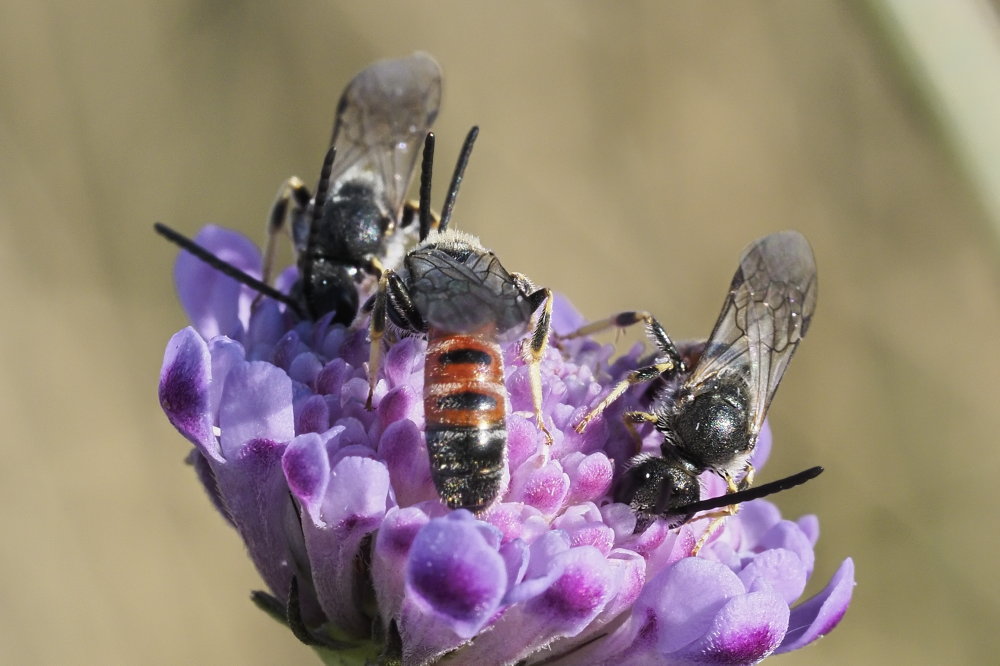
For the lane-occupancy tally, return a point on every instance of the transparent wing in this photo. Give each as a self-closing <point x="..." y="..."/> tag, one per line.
<point x="771" y="301"/>
<point x="383" y="117"/>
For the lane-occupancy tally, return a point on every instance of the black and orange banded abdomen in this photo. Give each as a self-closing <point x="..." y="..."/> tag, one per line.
<point x="465" y="403"/>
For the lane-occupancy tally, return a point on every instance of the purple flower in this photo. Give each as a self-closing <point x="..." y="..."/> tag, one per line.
<point x="364" y="561"/>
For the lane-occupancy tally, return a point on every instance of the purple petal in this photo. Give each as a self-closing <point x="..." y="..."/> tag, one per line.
<point x="584" y="586"/>
<point x="355" y="502"/>
<point x="253" y="485"/>
<point x="256" y="404"/>
<point x="312" y="415"/>
<point x="788" y="535"/>
<point x="544" y="488"/>
<point x="226" y="354"/>
<point x="818" y="616"/>
<point x="215" y="303"/>
<point x="685" y="599"/>
<point x="455" y="579"/>
<point x="590" y="477"/>
<point x="392" y="547"/>
<point x="184" y="388"/>
<point x="781" y="570"/>
<point x="455" y="573"/>
<point x="745" y="630"/>
<point x="307" y="471"/>
<point x="404" y="451"/>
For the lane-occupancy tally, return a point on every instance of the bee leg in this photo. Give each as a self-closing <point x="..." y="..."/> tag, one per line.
<point x="619" y="321"/>
<point x="292" y="201"/>
<point x="391" y="293"/>
<point x="631" y="418"/>
<point x="638" y="376"/>
<point x="719" y="517"/>
<point x="537" y="343"/>
<point x="376" y="329"/>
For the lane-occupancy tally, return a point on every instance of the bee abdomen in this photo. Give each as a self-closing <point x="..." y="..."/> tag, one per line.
<point x="467" y="464"/>
<point x="465" y="402"/>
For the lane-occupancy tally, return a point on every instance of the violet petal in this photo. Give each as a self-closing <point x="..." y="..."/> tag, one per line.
<point x="215" y="303"/>
<point x="818" y="615"/>
<point x="184" y="388"/>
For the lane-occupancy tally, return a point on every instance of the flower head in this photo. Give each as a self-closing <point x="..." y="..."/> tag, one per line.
<point x="340" y="516"/>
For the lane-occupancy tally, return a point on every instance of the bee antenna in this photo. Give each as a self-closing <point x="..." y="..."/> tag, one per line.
<point x="323" y="187"/>
<point x="456" y="179"/>
<point x="753" y="493"/>
<point x="226" y="268"/>
<point x="426" y="170"/>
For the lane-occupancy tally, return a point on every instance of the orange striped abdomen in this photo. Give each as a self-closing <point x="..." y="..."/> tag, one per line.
<point x="465" y="403"/>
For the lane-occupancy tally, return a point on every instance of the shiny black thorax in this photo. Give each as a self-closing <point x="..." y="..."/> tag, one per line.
<point x="708" y="426"/>
<point x="339" y="250"/>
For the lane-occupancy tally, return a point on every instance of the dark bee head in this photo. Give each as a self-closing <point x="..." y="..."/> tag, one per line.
<point x="709" y="426"/>
<point x="329" y="287"/>
<point x="655" y="486"/>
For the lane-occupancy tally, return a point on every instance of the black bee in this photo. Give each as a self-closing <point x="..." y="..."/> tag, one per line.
<point x="352" y="232"/>
<point x="710" y="415"/>
<point x="455" y="292"/>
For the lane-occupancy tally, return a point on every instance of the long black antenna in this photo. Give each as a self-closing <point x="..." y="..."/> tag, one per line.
<point x="426" y="170"/>
<point x="456" y="179"/>
<point x="323" y="187"/>
<point x="750" y="493"/>
<point x="226" y="268"/>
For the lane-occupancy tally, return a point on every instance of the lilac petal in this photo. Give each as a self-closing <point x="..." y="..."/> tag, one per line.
<point x="454" y="573"/>
<point x="215" y="303"/>
<point x="544" y="488"/>
<point x="788" y="535"/>
<point x="184" y="387"/>
<point x="584" y="586"/>
<point x="226" y="354"/>
<point x="745" y="630"/>
<point x="780" y="569"/>
<point x="809" y="524"/>
<point x="312" y="415"/>
<point x="355" y="502"/>
<point x="256" y="404"/>
<point x="404" y="360"/>
<point x="685" y="599"/>
<point x="267" y="326"/>
<point x="305" y="368"/>
<point x="565" y="318"/>
<point x="755" y="519"/>
<point x="516" y="521"/>
<point x="256" y="494"/>
<point x="590" y="476"/>
<point x="307" y="471"/>
<point x="404" y="451"/>
<point x="522" y="442"/>
<point x="403" y="403"/>
<point x="818" y="616"/>
<point x="392" y="548"/>
<point x="578" y="595"/>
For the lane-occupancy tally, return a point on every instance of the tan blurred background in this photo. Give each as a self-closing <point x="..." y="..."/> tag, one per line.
<point x="628" y="152"/>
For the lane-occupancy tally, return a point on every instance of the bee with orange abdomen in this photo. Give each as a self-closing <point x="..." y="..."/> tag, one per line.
<point x="456" y="292"/>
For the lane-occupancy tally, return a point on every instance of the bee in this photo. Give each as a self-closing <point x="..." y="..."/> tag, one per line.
<point x="455" y="292"/>
<point x="713" y="405"/>
<point x="358" y="221"/>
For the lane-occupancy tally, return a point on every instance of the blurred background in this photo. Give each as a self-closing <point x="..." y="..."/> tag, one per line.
<point x="628" y="153"/>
